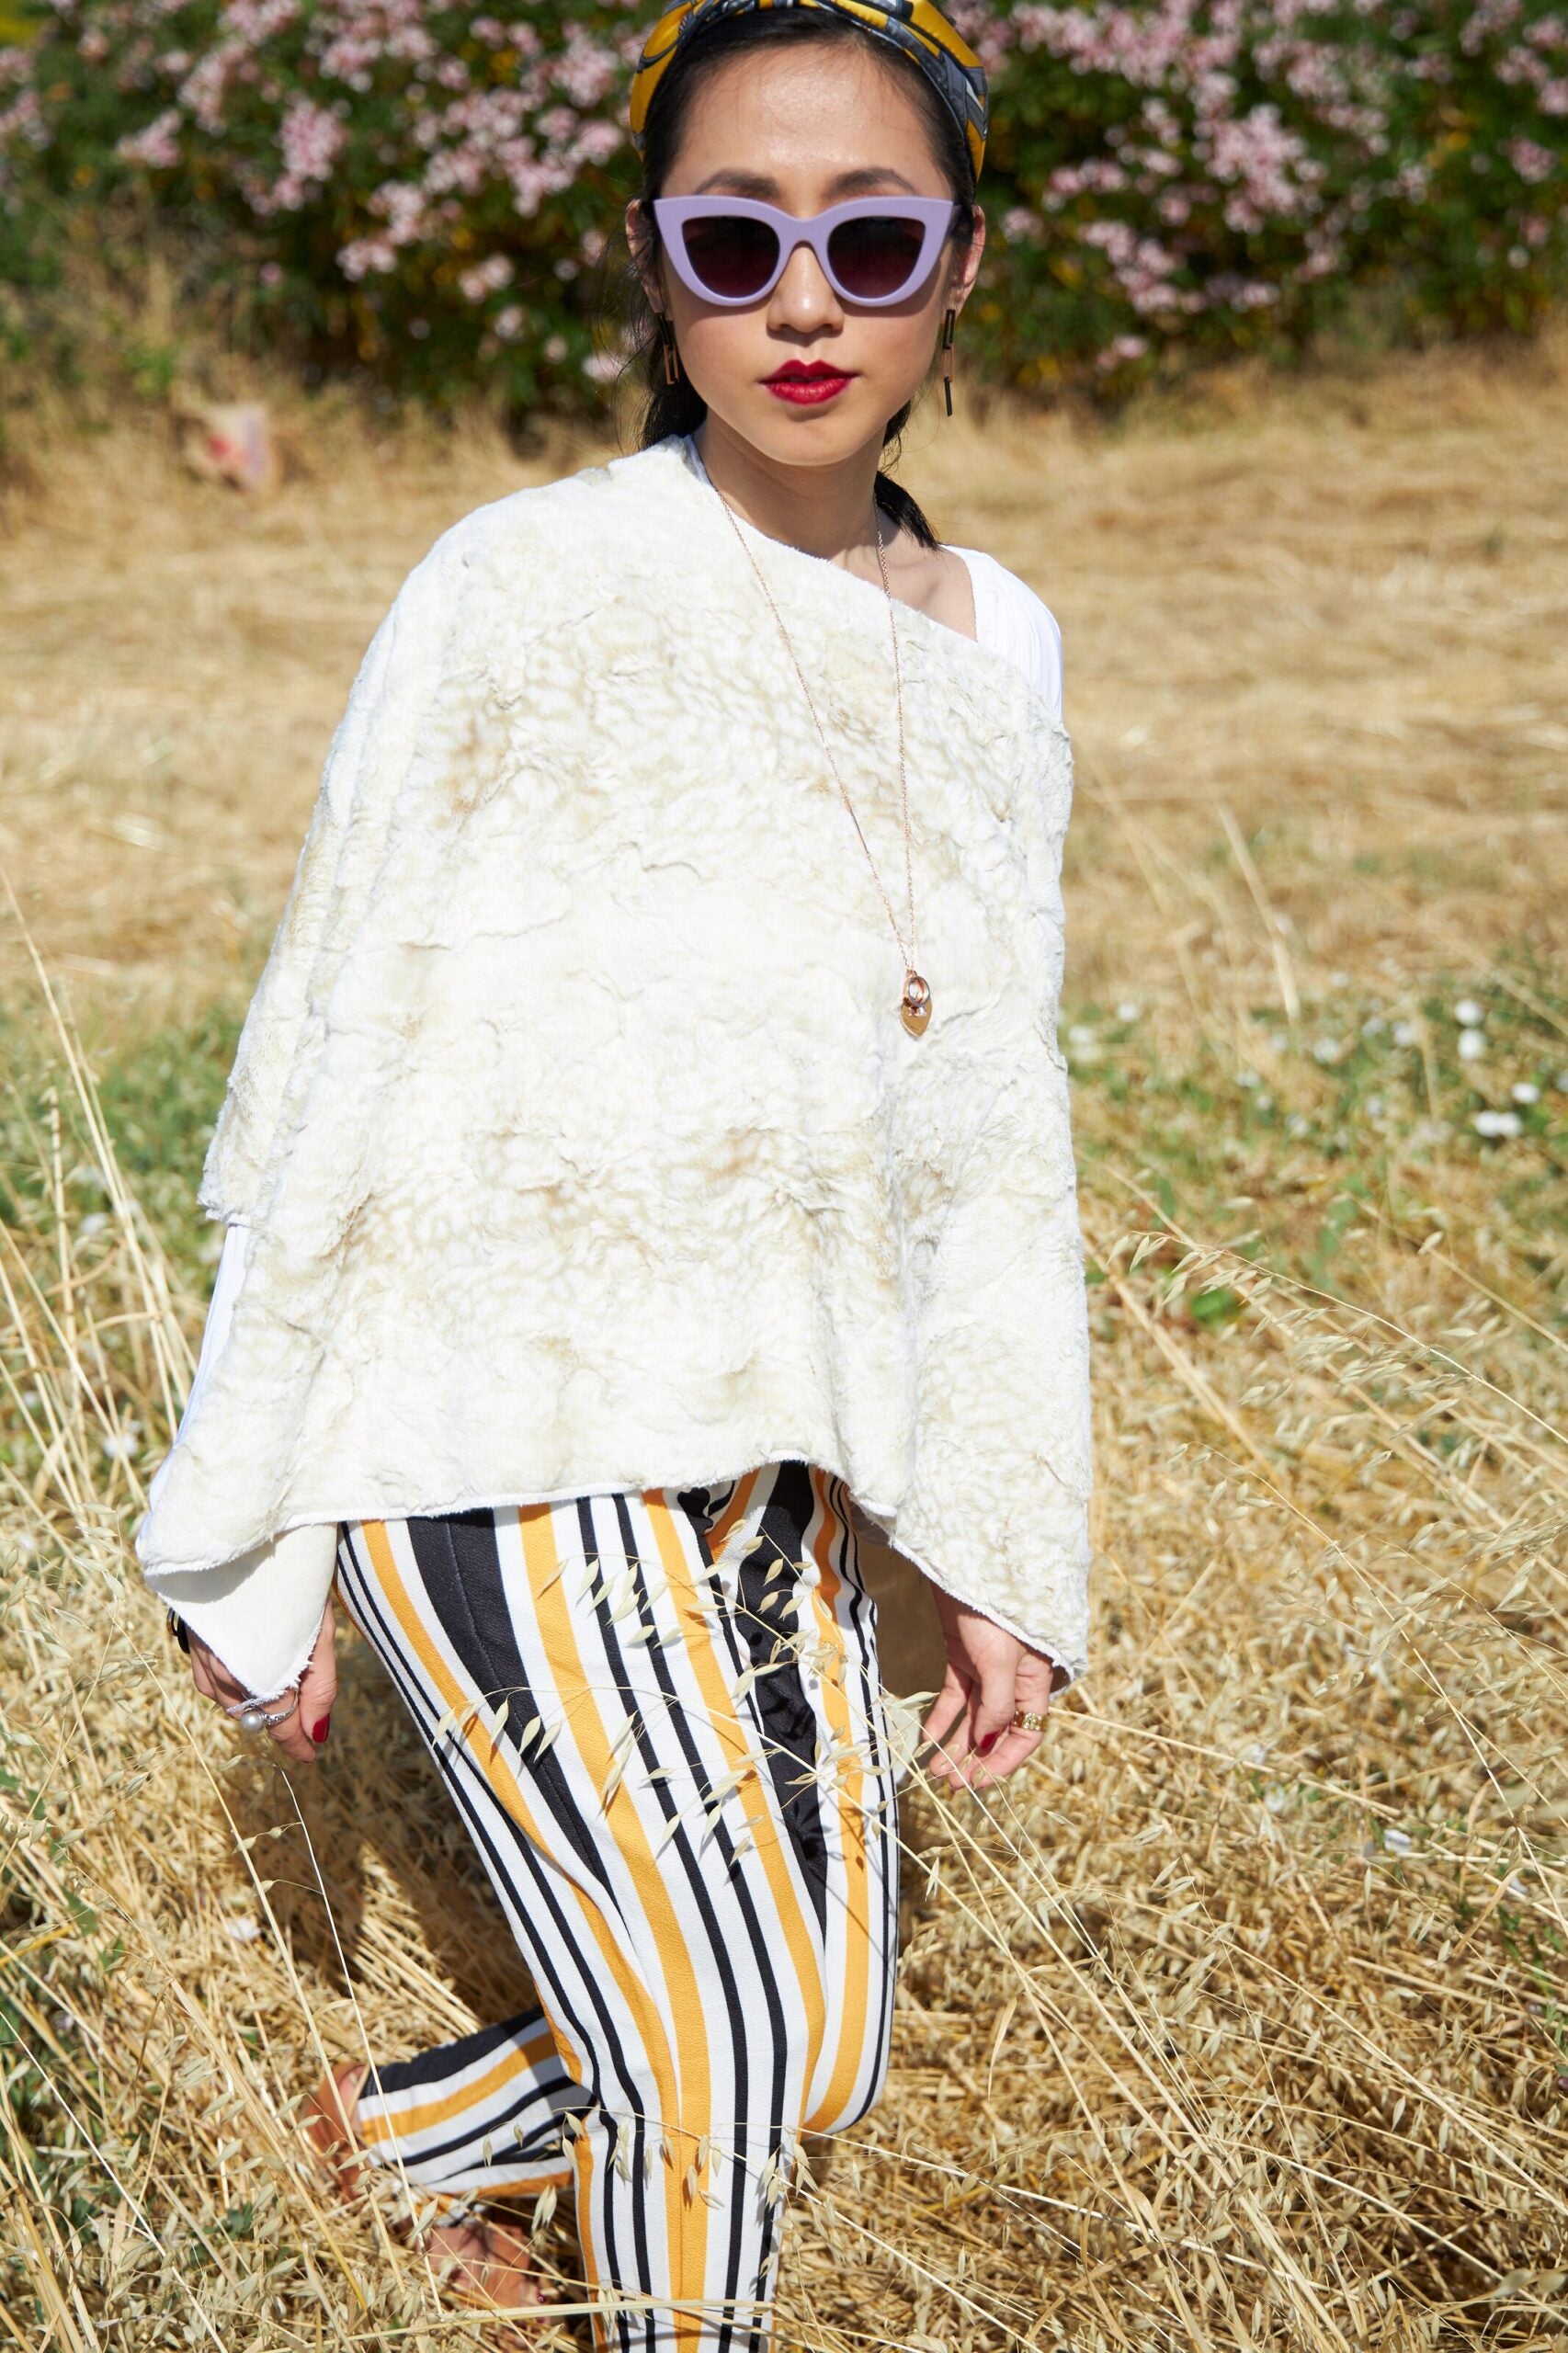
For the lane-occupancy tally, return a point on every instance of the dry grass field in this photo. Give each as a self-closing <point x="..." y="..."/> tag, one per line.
<point x="1240" y="2019"/>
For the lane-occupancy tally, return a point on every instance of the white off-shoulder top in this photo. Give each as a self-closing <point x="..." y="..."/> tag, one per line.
<point x="1010" y="620"/>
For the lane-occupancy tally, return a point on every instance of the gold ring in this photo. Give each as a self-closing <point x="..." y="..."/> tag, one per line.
<point x="1028" y="1720"/>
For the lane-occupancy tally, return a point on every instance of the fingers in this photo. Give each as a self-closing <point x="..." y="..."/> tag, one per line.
<point x="985" y="1727"/>
<point x="211" y="1676"/>
<point x="290" y="1735"/>
<point x="968" y="1710"/>
<point x="985" y="1744"/>
<point x="318" y="1684"/>
<point x="1012" y="1749"/>
<point x="1032" y="1687"/>
<point x="946" y="1713"/>
<point x="302" y="1729"/>
<point x="302" y="1737"/>
<point x="984" y="1661"/>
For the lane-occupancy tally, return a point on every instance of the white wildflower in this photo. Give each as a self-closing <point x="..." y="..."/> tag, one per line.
<point x="1525" y="1090"/>
<point x="1472" y="1045"/>
<point x="1468" y="1014"/>
<point x="1496" y="1123"/>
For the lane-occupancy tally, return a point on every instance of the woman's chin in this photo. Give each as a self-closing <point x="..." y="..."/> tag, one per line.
<point x="814" y="431"/>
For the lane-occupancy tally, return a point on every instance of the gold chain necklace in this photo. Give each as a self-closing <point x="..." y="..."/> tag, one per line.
<point x="914" y="1008"/>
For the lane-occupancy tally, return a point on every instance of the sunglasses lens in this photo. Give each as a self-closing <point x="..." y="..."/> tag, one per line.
<point x="732" y="255"/>
<point x="875" y="256"/>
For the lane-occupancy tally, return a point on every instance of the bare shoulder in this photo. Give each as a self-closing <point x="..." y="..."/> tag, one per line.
<point x="936" y="580"/>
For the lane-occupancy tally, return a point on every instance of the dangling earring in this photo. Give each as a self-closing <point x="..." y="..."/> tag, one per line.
<point x="948" y="324"/>
<point x="672" y="356"/>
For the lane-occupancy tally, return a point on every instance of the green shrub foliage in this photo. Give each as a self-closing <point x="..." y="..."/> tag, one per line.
<point x="433" y="197"/>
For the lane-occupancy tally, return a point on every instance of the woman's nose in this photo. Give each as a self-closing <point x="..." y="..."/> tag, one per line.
<point x="803" y="299"/>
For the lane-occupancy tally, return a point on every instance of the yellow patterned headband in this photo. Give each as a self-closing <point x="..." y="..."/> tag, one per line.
<point x="914" y="27"/>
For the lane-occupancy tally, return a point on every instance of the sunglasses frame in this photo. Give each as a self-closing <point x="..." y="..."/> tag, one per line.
<point x="936" y="214"/>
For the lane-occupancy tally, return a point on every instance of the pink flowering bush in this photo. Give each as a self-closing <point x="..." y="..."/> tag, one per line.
<point x="406" y="187"/>
<point x="433" y="196"/>
<point x="1215" y="174"/>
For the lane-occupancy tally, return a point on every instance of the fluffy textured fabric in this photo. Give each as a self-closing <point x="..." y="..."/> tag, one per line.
<point x="582" y="1140"/>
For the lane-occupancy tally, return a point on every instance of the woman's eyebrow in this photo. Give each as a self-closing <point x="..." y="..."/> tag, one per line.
<point x="871" y="179"/>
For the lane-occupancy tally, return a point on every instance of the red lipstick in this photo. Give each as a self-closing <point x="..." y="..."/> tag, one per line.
<point x="807" y="382"/>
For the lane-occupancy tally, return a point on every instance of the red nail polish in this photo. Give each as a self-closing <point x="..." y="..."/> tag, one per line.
<point x="987" y="1745"/>
<point x="319" y="1731"/>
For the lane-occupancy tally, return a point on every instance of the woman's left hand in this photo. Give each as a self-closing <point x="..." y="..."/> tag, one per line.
<point x="990" y="1674"/>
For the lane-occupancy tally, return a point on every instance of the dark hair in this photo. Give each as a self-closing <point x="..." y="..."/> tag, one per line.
<point x="679" y="407"/>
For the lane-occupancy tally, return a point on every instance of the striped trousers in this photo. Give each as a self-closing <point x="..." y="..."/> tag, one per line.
<point x="661" y="1718"/>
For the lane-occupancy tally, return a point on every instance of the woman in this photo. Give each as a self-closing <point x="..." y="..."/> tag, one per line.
<point x="648" y="1134"/>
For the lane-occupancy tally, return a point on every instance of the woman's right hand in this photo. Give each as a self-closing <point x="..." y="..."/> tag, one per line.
<point x="303" y="1730"/>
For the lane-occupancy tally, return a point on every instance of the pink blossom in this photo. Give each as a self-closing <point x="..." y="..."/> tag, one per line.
<point x="1532" y="162"/>
<point x="367" y="256"/>
<point x="484" y="278"/>
<point x="311" y="139"/>
<point x="158" y="145"/>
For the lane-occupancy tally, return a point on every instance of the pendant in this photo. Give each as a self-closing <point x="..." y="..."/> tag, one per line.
<point x="916" y="1010"/>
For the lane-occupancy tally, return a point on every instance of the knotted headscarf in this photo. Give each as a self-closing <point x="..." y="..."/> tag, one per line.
<point x="916" y="28"/>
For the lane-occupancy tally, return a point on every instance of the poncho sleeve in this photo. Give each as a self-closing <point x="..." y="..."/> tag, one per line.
<point x="373" y="742"/>
<point x="260" y="1611"/>
<point x="999" y="1515"/>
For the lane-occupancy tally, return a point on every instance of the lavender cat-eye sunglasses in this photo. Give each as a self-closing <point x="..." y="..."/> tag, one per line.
<point x="874" y="250"/>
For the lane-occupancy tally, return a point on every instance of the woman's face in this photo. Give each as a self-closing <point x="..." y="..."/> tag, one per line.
<point x="803" y="127"/>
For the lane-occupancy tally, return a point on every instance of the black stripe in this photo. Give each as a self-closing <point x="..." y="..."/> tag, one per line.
<point x="788" y="1713"/>
<point x="466" y="2050"/>
<point x="459" y="1563"/>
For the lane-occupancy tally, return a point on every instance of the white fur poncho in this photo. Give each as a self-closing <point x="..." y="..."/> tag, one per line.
<point x="581" y="1141"/>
